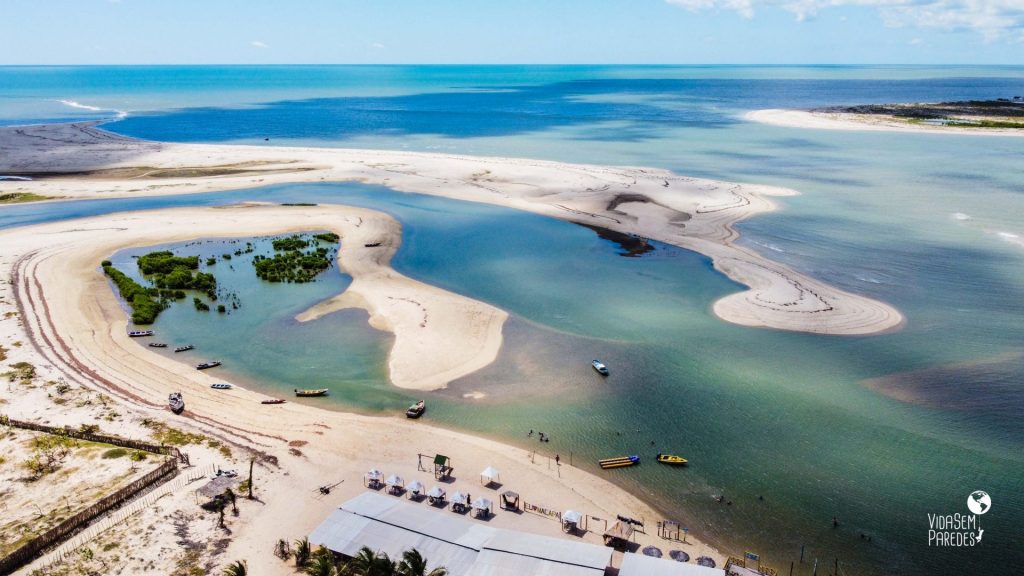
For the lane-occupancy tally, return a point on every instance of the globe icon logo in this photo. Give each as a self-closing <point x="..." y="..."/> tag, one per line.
<point x="979" y="502"/>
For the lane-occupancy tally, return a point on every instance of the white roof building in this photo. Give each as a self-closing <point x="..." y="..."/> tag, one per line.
<point x="464" y="547"/>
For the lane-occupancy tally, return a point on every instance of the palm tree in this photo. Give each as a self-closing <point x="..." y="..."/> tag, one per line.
<point x="321" y="563"/>
<point x="302" y="551"/>
<point x="237" y="568"/>
<point x="369" y="563"/>
<point x="414" y="564"/>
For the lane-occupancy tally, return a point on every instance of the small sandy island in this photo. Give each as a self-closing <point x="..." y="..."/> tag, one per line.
<point x="978" y="118"/>
<point x="83" y="161"/>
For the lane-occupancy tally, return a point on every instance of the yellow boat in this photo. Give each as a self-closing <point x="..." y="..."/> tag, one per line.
<point x="619" y="462"/>
<point x="671" y="459"/>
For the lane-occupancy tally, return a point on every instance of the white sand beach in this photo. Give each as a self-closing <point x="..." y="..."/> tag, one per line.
<point x="691" y="213"/>
<point x="820" y="120"/>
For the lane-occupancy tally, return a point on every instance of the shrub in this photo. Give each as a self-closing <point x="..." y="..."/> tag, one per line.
<point x="114" y="453"/>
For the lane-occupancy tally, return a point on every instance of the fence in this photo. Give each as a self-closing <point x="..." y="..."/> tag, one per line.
<point x="70" y="526"/>
<point x="73" y="544"/>
<point x="91" y="436"/>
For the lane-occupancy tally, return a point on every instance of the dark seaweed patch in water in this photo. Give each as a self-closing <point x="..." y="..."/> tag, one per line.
<point x="632" y="246"/>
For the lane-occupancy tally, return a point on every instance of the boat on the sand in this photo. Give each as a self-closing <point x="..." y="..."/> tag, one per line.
<point x="601" y="368"/>
<point x="273" y="401"/>
<point x="205" y="365"/>
<point x="176" y="402"/>
<point x="221" y="386"/>
<point x="139" y="333"/>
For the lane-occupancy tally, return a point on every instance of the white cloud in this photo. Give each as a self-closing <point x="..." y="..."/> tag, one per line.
<point x="916" y="42"/>
<point x="258" y="44"/>
<point x="376" y="45"/>
<point x="994" y="19"/>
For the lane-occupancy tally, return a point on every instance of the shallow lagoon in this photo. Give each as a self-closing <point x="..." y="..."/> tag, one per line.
<point x="929" y="223"/>
<point x="759" y="413"/>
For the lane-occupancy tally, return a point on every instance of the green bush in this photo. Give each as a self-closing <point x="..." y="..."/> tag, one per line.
<point x="164" y="262"/>
<point x="327" y="237"/>
<point x="144" y="308"/>
<point x="114" y="453"/>
<point x="290" y="243"/>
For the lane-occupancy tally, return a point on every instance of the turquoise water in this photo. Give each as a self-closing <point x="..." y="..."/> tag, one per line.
<point x="932" y="224"/>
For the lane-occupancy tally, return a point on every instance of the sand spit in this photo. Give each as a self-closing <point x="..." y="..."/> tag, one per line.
<point x="439" y="336"/>
<point x="821" y="120"/>
<point x="691" y="213"/>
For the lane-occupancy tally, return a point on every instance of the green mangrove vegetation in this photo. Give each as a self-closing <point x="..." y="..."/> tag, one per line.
<point x="329" y="237"/>
<point x="167" y="277"/>
<point x="19" y="197"/>
<point x="177" y="272"/>
<point x="290" y="243"/>
<point x="292" y="262"/>
<point x="145" y="303"/>
<point x="171" y="276"/>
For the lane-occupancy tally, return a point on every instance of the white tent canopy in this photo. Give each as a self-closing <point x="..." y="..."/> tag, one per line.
<point x="436" y="492"/>
<point x="572" y="516"/>
<point x="374" y="474"/>
<point x="394" y="480"/>
<point x="415" y="486"/>
<point x="459" y="498"/>
<point x="482" y="504"/>
<point x="490" y="474"/>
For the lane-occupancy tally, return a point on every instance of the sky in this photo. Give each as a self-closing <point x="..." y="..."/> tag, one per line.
<point x="512" y="32"/>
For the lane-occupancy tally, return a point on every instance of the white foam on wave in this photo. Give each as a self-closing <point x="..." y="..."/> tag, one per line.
<point x="769" y="246"/>
<point x="75" y="104"/>
<point x="1011" y="238"/>
<point x="961" y="216"/>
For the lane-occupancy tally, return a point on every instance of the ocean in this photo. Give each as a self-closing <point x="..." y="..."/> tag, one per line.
<point x="792" y="429"/>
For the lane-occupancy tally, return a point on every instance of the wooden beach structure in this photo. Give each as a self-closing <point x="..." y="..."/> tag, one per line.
<point x="442" y="467"/>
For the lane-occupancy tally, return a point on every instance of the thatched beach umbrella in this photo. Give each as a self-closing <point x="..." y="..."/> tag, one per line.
<point x="679" y="556"/>
<point x="652" y="551"/>
<point x="706" y="561"/>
